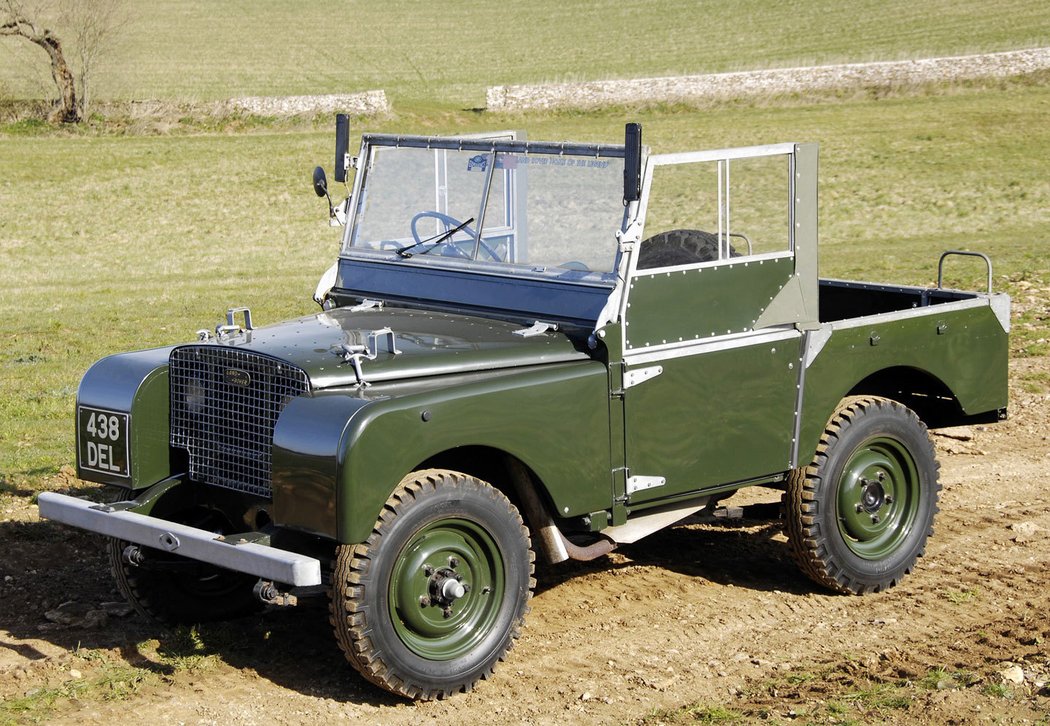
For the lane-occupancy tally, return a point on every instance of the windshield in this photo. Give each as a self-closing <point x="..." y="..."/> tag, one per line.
<point x="516" y="210"/>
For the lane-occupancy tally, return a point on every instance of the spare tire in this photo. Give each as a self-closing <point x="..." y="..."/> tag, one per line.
<point x="679" y="247"/>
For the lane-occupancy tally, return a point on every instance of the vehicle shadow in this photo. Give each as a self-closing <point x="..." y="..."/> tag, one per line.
<point x="48" y="569"/>
<point x="49" y="565"/>
<point x="741" y="552"/>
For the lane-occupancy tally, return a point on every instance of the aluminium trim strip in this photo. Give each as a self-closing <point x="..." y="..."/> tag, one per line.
<point x="743" y="152"/>
<point x="698" y="347"/>
<point x="262" y="561"/>
<point x="800" y="393"/>
<point x="730" y="262"/>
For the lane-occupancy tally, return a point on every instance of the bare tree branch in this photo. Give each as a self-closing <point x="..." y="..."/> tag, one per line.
<point x="90" y="24"/>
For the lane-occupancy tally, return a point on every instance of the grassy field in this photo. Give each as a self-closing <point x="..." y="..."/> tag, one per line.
<point x="442" y="55"/>
<point x="109" y="243"/>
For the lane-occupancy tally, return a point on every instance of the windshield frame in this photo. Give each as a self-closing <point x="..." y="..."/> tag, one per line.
<point x="370" y="143"/>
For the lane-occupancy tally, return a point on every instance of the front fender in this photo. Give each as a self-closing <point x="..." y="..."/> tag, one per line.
<point x="135" y="384"/>
<point x="338" y="455"/>
<point x="555" y="419"/>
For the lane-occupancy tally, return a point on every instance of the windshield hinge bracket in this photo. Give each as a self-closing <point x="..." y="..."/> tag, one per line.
<point x="367" y="304"/>
<point x="538" y="328"/>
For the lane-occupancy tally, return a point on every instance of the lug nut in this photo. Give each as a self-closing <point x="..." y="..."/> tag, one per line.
<point x="428" y="570"/>
<point x="424" y="601"/>
<point x="453" y="562"/>
<point x="447" y="612"/>
<point x="874" y="519"/>
<point x="882" y="475"/>
<point x="860" y="508"/>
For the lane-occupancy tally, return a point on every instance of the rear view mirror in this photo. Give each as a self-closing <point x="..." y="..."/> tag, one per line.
<point x="320" y="182"/>
<point x="342" y="145"/>
<point x="632" y="163"/>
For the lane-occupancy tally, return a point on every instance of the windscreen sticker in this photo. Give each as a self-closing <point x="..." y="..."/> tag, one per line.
<point x="480" y="162"/>
<point x="513" y="161"/>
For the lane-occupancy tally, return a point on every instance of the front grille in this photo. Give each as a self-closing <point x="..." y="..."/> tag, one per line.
<point x="224" y="406"/>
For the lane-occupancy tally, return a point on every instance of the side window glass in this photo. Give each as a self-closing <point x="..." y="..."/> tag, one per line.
<point x="717" y="210"/>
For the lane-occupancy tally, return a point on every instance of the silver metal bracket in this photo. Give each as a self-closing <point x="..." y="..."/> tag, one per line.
<point x="641" y="483"/>
<point x="366" y="304"/>
<point x="354" y="354"/>
<point x="538" y="328"/>
<point x="633" y="378"/>
<point x="223" y="332"/>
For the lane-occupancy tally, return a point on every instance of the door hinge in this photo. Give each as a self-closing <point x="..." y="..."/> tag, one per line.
<point x="640" y="375"/>
<point x="641" y="483"/>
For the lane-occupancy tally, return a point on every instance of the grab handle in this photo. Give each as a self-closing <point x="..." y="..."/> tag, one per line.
<point x="964" y="253"/>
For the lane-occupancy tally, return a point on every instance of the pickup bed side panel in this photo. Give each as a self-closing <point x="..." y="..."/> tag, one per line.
<point x="963" y="346"/>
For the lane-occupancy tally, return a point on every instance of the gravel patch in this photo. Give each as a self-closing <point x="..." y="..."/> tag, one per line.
<point x="765" y="82"/>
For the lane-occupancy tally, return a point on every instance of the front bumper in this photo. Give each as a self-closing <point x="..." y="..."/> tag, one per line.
<point x="268" y="563"/>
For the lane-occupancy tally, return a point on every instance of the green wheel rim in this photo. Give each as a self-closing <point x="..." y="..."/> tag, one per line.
<point x="878" y="498"/>
<point x="436" y="628"/>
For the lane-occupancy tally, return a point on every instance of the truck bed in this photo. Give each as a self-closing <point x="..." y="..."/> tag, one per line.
<point x="845" y="299"/>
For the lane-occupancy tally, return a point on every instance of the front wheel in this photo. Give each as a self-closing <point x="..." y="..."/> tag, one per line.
<point x="438" y="593"/>
<point x="174" y="590"/>
<point x="859" y="515"/>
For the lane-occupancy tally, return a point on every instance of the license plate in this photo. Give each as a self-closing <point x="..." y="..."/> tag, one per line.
<point x="103" y="439"/>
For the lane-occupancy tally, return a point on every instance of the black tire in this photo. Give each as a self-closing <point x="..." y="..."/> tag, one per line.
<point x="859" y="515"/>
<point x="173" y="590"/>
<point x="387" y="608"/>
<point x="679" y="247"/>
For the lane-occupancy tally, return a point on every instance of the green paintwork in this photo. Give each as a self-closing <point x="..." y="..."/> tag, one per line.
<point x="970" y="358"/>
<point x="713" y="417"/>
<point x="878" y="498"/>
<point x="136" y="384"/>
<point x="423" y="628"/>
<point x="554" y="418"/>
<point x="701" y="302"/>
<point x="430" y="344"/>
<point x="720" y="415"/>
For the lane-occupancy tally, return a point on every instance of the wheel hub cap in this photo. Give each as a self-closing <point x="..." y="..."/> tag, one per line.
<point x="873" y="496"/>
<point x="878" y="497"/>
<point x="446" y="589"/>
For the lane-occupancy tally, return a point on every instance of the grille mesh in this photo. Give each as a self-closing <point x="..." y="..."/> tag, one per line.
<point x="224" y="406"/>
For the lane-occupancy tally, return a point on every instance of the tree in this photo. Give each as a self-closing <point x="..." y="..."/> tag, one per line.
<point x="90" y="24"/>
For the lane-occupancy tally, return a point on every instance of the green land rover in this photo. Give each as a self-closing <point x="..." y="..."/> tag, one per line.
<point x="529" y="347"/>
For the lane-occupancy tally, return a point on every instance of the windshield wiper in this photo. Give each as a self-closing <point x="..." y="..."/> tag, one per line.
<point x="435" y="240"/>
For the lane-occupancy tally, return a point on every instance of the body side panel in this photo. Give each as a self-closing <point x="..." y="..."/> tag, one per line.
<point x="966" y="349"/>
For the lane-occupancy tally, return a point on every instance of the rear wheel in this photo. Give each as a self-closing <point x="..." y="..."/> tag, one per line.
<point x="859" y="515"/>
<point x="438" y="593"/>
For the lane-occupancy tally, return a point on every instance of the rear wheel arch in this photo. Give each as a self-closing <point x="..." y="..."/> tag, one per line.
<point x="932" y="400"/>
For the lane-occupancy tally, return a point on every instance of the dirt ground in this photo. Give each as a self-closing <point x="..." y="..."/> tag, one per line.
<point x="700" y="622"/>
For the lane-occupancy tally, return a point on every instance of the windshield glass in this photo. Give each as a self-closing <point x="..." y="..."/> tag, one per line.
<point x="515" y="211"/>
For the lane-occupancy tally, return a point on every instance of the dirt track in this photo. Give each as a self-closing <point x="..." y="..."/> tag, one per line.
<point x="710" y="613"/>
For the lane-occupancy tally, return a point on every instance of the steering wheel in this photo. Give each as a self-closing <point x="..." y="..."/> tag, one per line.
<point x="451" y="223"/>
